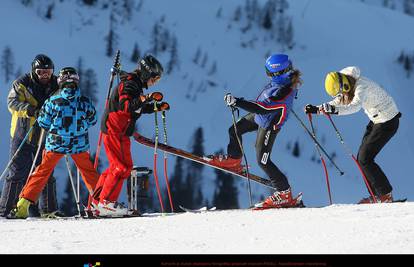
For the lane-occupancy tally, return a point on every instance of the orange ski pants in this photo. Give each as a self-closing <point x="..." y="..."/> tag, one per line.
<point x="37" y="181"/>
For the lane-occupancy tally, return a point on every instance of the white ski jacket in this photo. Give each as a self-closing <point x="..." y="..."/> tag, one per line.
<point x="377" y="104"/>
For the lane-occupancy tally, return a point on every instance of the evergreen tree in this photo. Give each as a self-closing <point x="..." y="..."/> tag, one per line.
<point x="155" y="42"/>
<point x="401" y="58"/>
<point x="204" y="61"/>
<point x="111" y="38"/>
<point x="89" y="2"/>
<point x="197" y="56"/>
<point x="90" y="85"/>
<point x="173" y="63"/>
<point x="296" y="150"/>
<point x="226" y="193"/>
<point x="7" y="63"/>
<point x="237" y="14"/>
<point x="218" y="13"/>
<point x="177" y="185"/>
<point x="408" y="66"/>
<point x="49" y="11"/>
<point x="213" y="69"/>
<point x="136" y="55"/>
<point x="194" y="177"/>
<point x="289" y="35"/>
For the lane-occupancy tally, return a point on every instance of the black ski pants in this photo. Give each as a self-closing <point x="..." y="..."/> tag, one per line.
<point x="17" y="177"/>
<point x="375" y="138"/>
<point x="264" y="144"/>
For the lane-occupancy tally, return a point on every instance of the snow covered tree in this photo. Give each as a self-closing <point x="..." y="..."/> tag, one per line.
<point x="89" y="2"/>
<point x="197" y="56"/>
<point x="408" y="6"/>
<point x="237" y="14"/>
<point x="296" y="150"/>
<point x="136" y="55"/>
<point x="7" y="63"/>
<point x="218" y="13"/>
<point x="173" y="63"/>
<point x="155" y="42"/>
<point x="213" y="69"/>
<point x="112" y="37"/>
<point x="408" y="66"/>
<point x="90" y="85"/>
<point x="49" y="11"/>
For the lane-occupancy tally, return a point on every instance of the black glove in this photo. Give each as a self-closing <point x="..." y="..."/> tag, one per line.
<point x="328" y="108"/>
<point x="311" y="109"/>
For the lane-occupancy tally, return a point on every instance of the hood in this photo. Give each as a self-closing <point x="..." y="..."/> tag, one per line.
<point x="352" y="71"/>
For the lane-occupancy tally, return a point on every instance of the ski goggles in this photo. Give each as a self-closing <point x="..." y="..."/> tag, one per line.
<point x="44" y="73"/>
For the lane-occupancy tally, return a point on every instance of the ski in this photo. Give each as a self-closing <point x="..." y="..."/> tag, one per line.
<point x="400" y="200"/>
<point x="187" y="155"/>
<point x="201" y="210"/>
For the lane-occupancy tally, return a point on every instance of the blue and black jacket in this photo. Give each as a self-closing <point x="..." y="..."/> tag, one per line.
<point x="272" y="106"/>
<point x="67" y="116"/>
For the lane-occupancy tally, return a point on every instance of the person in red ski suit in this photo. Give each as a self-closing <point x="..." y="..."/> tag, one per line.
<point x="125" y="106"/>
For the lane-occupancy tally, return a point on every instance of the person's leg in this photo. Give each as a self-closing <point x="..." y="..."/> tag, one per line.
<point x="17" y="175"/>
<point x="118" y="152"/>
<point x="37" y="181"/>
<point x="264" y="143"/>
<point x="375" y="138"/>
<point x="89" y="174"/>
<point x="244" y="125"/>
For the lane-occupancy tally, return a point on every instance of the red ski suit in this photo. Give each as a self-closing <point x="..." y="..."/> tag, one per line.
<point x="125" y="106"/>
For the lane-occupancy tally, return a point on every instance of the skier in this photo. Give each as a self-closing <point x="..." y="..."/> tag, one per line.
<point x="66" y="116"/>
<point x="126" y="104"/>
<point x="351" y="92"/>
<point x="25" y="98"/>
<point x="266" y="116"/>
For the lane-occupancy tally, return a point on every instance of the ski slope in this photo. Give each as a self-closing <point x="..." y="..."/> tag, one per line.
<point x="337" y="229"/>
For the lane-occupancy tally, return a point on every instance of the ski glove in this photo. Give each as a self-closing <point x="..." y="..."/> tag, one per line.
<point x="327" y="108"/>
<point x="163" y="106"/>
<point x="230" y="100"/>
<point x="155" y="96"/>
<point x="311" y="109"/>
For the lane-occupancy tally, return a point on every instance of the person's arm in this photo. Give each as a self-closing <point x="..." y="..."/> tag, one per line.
<point x="17" y="102"/>
<point x="45" y="115"/>
<point x="91" y="117"/>
<point x="254" y="107"/>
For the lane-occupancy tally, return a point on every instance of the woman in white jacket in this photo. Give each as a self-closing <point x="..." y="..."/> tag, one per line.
<point x="351" y="92"/>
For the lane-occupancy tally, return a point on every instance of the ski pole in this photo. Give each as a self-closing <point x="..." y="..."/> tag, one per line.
<point x="155" y="157"/>
<point x="114" y="70"/>
<point x="39" y="146"/>
<point x="316" y="142"/>
<point x="73" y="185"/>
<point x="233" y="109"/>
<point x="17" y="152"/>
<point x="341" y="139"/>
<point x="164" y="123"/>
<point x="322" y="159"/>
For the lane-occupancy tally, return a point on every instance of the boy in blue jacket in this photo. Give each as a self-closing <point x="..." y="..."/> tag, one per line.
<point x="66" y="117"/>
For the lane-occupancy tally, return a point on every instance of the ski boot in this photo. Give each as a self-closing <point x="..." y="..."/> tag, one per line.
<point x="387" y="198"/>
<point x="225" y="162"/>
<point x="279" y="199"/>
<point x="108" y="208"/>
<point x="21" y="211"/>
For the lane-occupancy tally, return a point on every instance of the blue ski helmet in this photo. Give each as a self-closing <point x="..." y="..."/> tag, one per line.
<point x="278" y="66"/>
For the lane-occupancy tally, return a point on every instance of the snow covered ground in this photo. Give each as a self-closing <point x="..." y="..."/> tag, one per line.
<point x="337" y="229"/>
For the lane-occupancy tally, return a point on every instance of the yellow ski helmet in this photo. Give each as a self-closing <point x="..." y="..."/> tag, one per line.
<point x="336" y="83"/>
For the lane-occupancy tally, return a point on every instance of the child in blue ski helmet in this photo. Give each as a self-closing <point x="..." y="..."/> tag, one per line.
<point x="267" y="114"/>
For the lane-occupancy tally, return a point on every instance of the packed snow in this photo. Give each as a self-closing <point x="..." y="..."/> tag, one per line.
<point x="337" y="229"/>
